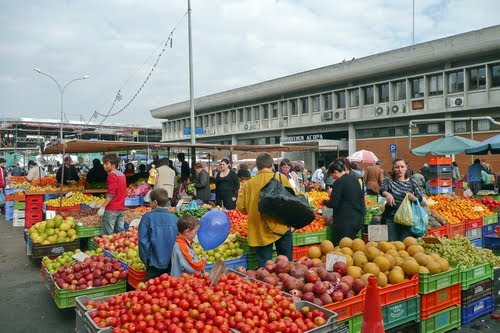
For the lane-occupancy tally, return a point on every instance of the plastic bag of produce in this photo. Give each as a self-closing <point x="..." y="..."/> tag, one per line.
<point x="403" y="215"/>
<point x="420" y="219"/>
<point x="2" y="199"/>
<point x="281" y="203"/>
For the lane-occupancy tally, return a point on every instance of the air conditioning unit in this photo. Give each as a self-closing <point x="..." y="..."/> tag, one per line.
<point x="257" y="125"/>
<point x="455" y="102"/>
<point x="247" y="126"/>
<point x="213" y="131"/>
<point x="339" y="115"/>
<point x="380" y="110"/>
<point x="398" y="108"/>
<point x="328" y="115"/>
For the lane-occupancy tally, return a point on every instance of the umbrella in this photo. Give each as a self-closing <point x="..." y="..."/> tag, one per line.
<point x="449" y="144"/>
<point x="363" y="156"/>
<point x="491" y="145"/>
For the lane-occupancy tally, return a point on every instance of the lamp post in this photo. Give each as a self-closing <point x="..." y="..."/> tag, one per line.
<point x="61" y="90"/>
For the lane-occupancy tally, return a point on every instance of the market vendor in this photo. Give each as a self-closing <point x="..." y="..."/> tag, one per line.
<point x="35" y="172"/>
<point x="70" y="173"/>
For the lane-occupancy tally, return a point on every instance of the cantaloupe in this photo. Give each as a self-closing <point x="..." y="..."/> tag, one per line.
<point x="396" y="276"/>
<point x="314" y="252"/>
<point x="371" y="268"/>
<point x="408" y="241"/>
<point x="326" y="246"/>
<point x="345" y="242"/>
<point x="358" y="245"/>
<point x="383" y="263"/>
<point x="414" y="249"/>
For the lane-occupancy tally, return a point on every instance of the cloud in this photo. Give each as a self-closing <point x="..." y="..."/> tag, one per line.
<point x="235" y="43"/>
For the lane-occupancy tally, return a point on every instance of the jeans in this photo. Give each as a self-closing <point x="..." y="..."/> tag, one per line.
<point x="396" y="232"/>
<point x="112" y="222"/>
<point x="284" y="246"/>
<point x="474" y="187"/>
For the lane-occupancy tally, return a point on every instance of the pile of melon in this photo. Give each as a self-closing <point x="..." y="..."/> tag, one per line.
<point x="390" y="262"/>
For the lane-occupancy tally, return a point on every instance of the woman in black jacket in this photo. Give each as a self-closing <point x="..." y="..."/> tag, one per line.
<point x="227" y="185"/>
<point x="347" y="201"/>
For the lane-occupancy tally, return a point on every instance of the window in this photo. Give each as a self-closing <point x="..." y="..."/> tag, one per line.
<point x="265" y="111"/>
<point x="233" y="116"/>
<point x="315" y="103"/>
<point x="435" y="84"/>
<point x="293" y="105"/>
<point x="354" y="97"/>
<point x="483" y="125"/>
<point x="212" y="120"/>
<point x="432" y="128"/>
<point x="399" y="90"/>
<point x="417" y="87"/>
<point x="284" y="108"/>
<point x="495" y="75"/>
<point x="340" y="99"/>
<point x="219" y="119"/>
<point x="257" y="112"/>
<point x="305" y="105"/>
<point x="460" y="126"/>
<point x="249" y="114"/>
<point x="240" y="115"/>
<point x="274" y="110"/>
<point x="477" y="78"/>
<point x="226" y="118"/>
<point x="456" y="81"/>
<point x="198" y="121"/>
<point x="328" y="101"/>
<point x="383" y="93"/>
<point x="368" y="98"/>
<point x="401" y="131"/>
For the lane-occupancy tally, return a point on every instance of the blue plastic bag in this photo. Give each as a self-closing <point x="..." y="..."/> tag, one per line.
<point x="2" y="198"/>
<point x="420" y="219"/>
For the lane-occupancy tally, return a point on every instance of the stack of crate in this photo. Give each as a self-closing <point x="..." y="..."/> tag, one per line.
<point x="34" y="210"/>
<point x="477" y="292"/>
<point x="19" y="213"/>
<point x="491" y="239"/>
<point x="441" y="181"/>
<point x="474" y="231"/>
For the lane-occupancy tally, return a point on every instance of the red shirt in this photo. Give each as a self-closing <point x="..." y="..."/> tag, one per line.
<point x="116" y="184"/>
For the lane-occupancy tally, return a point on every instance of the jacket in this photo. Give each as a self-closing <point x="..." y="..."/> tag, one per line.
<point x="157" y="232"/>
<point x="117" y="190"/>
<point x="69" y="174"/>
<point x="260" y="232"/>
<point x="184" y="259"/>
<point x="374" y="176"/>
<point x="202" y="186"/>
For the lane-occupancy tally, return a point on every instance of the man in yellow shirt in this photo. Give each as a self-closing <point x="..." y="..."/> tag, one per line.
<point x="263" y="231"/>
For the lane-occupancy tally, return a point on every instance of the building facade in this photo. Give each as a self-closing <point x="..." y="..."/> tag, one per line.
<point x="364" y="103"/>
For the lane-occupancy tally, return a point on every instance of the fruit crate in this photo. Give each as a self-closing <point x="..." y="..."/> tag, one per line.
<point x="401" y="312"/>
<point x="9" y="204"/>
<point x="32" y="218"/>
<point x="398" y="292"/>
<point x="474" y="274"/>
<point x="409" y="327"/>
<point x="440" y="182"/>
<point x="50" y="250"/>
<point x="477" y="291"/>
<point x="428" y="283"/>
<point x="300" y="251"/>
<point x="440" y="160"/>
<point x="134" y="201"/>
<point x="489" y="229"/>
<point x="9" y="213"/>
<point x="351" y="325"/>
<point x="456" y="230"/>
<point x="91" y="244"/>
<point x="478" y="242"/>
<point x="439" y="231"/>
<point x="50" y="196"/>
<point x="440" y="189"/>
<point x="18" y="222"/>
<point x="439" y="300"/>
<point x="21" y="205"/>
<point x="66" y="298"/>
<point x="491" y="242"/>
<point x="490" y="219"/>
<point x="135" y="276"/>
<point x="19" y="213"/>
<point x="306" y="238"/>
<point x="9" y="191"/>
<point x="59" y="209"/>
<point x="244" y="244"/>
<point x="331" y="317"/>
<point x="473" y="224"/>
<point x="82" y="231"/>
<point x="474" y="233"/>
<point x="34" y="200"/>
<point x="347" y="308"/>
<point x="82" y="324"/>
<point x="442" y="321"/>
<point x="231" y="263"/>
<point x="477" y="309"/>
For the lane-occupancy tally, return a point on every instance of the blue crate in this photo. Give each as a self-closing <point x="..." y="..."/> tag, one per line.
<point x="491" y="242"/>
<point x="477" y="309"/>
<point x="439" y="169"/>
<point x="125" y="226"/>
<point x="9" y="191"/>
<point x="50" y="196"/>
<point x="9" y="215"/>
<point x="107" y="253"/>
<point x="9" y="204"/>
<point x="489" y="229"/>
<point x="440" y="189"/>
<point x="478" y="242"/>
<point x="231" y="263"/>
<point x="135" y="201"/>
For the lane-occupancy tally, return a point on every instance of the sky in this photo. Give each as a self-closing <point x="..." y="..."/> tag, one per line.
<point x="235" y="43"/>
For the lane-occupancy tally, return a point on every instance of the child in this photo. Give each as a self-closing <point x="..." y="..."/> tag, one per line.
<point x="184" y="259"/>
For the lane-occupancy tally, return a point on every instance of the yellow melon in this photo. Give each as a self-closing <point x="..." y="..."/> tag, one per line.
<point x="408" y="241"/>
<point x="371" y="268"/>
<point x="314" y="252"/>
<point x="399" y="245"/>
<point x="347" y="251"/>
<point x="391" y="259"/>
<point x="345" y="242"/>
<point x="372" y="244"/>
<point x="358" y="245"/>
<point x="393" y="253"/>
<point x="434" y="267"/>
<point x="354" y="271"/>
<point x="385" y="246"/>
<point x="422" y="258"/>
<point x="372" y="252"/>
<point x="411" y="267"/>
<point x="382" y="280"/>
<point x="423" y="269"/>
<point x="414" y="249"/>
<point x="444" y="264"/>
<point x="398" y="262"/>
<point x="396" y="276"/>
<point x="326" y="246"/>
<point x="359" y="259"/>
<point x="383" y="263"/>
<point x="403" y="254"/>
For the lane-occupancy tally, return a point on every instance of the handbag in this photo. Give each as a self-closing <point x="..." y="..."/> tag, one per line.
<point x="420" y="219"/>
<point x="404" y="213"/>
<point x="280" y="203"/>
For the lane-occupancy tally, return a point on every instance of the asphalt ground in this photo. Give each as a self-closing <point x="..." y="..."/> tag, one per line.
<point x="26" y="305"/>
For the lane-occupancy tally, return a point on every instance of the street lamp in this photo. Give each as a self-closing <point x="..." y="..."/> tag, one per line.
<point x="61" y="90"/>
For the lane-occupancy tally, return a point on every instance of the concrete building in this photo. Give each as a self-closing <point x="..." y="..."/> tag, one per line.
<point x="364" y="103"/>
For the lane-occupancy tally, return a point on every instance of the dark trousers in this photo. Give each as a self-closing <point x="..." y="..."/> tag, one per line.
<point x="474" y="187"/>
<point x="226" y="200"/>
<point x="284" y="246"/>
<point x="371" y="192"/>
<point x="153" y="272"/>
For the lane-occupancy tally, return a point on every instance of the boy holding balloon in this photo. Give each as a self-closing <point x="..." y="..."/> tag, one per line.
<point x="184" y="259"/>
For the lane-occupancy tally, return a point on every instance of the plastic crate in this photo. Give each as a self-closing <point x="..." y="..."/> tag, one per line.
<point x="34" y="200"/>
<point x="409" y="327"/>
<point x="244" y="244"/>
<point x="439" y="160"/>
<point x="474" y="233"/>
<point x="456" y="230"/>
<point x="59" y="209"/>
<point x="477" y="308"/>
<point x="440" y="189"/>
<point x="474" y="274"/>
<point x="442" y="321"/>
<point x="478" y="242"/>
<point x="66" y="298"/>
<point x="439" y="231"/>
<point x="351" y="325"/>
<point x="489" y="229"/>
<point x="21" y="205"/>
<point x="473" y="224"/>
<point x="428" y="283"/>
<point x="49" y="250"/>
<point x="82" y="231"/>
<point x="134" y="201"/>
<point x="439" y="300"/>
<point x="31" y="218"/>
<point x="9" y="214"/>
<point x="398" y="292"/>
<point x="18" y="222"/>
<point x="50" y="196"/>
<point x="401" y="312"/>
<point x="231" y="263"/>
<point x="477" y="291"/>
<point x="490" y="219"/>
<point x="440" y="182"/>
<point x="347" y="308"/>
<point x="491" y="242"/>
<point x="13" y="190"/>
<point x="306" y="238"/>
<point x="300" y="251"/>
<point x="135" y="277"/>
<point x="331" y="317"/>
<point x="9" y="204"/>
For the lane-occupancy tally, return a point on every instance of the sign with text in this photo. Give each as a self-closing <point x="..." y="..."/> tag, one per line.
<point x="305" y="137"/>
<point x="378" y="233"/>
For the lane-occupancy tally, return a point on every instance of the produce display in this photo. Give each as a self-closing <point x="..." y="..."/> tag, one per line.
<point x="189" y="304"/>
<point x="316" y="198"/>
<point x="54" y="231"/>
<point x="435" y="220"/>
<point x="45" y="181"/>
<point x="239" y="222"/>
<point x="230" y="249"/>
<point x="198" y="213"/>
<point x="461" y="250"/>
<point x="124" y="246"/>
<point x="492" y="204"/>
<point x="78" y="198"/>
<point x="55" y="189"/>
<point x="22" y="184"/>
<point x="95" y="271"/>
<point x="456" y="210"/>
<point x="16" y="179"/>
<point x="317" y="225"/>
<point x="52" y="265"/>
<point x="90" y="221"/>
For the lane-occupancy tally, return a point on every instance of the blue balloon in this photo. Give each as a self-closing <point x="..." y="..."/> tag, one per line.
<point x="214" y="229"/>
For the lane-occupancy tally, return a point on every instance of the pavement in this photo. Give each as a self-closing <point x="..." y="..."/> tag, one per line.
<point x="27" y="306"/>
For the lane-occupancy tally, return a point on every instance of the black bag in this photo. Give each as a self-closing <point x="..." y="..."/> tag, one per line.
<point x="280" y="203"/>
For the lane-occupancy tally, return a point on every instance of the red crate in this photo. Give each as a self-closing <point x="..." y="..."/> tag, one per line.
<point x="439" y="300"/>
<point x="34" y="207"/>
<point x="34" y="200"/>
<point x="347" y="308"/>
<point x="300" y="251"/>
<point x="473" y="224"/>
<point x="439" y="160"/>
<point x="59" y="210"/>
<point x="456" y="230"/>
<point x="398" y="292"/>
<point x="440" y="182"/>
<point x="439" y="231"/>
<point x="135" y="276"/>
<point x="32" y="218"/>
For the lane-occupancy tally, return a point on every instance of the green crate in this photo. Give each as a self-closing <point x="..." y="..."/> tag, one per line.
<point x="399" y="313"/>
<point x="244" y="244"/>
<point x="351" y="325"/>
<point x="20" y="205"/>
<point x="91" y="244"/>
<point x="306" y="238"/>
<point x="487" y="220"/>
<point x="428" y="283"/>
<point x="474" y="274"/>
<point x="442" y="321"/>
<point x="66" y="298"/>
<point x="83" y="232"/>
<point x="252" y="260"/>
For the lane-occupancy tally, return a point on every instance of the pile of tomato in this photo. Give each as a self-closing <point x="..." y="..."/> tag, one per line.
<point x="239" y="222"/>
<point x="316" y="198"/>
<point x="317" y="225"/>
<point x="189" y="304"/>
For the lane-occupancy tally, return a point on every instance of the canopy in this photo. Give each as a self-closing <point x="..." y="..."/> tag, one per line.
<point x="491" y="145"/>
<point x="363" y="156"/>
<point x="446" y="145"/>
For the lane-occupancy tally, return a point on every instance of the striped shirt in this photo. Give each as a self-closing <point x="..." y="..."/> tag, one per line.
<point x="398" y="189"/>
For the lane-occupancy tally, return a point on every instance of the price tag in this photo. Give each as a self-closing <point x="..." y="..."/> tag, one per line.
<point x="431" y="240"/>
<point x="50" y="214"/>
<point x="332" y="258"/>
<point x="80" y="256"/>
<point x="134" y="223"/>
<point x="69" y="194"/>
<point x="378" y="233"/>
